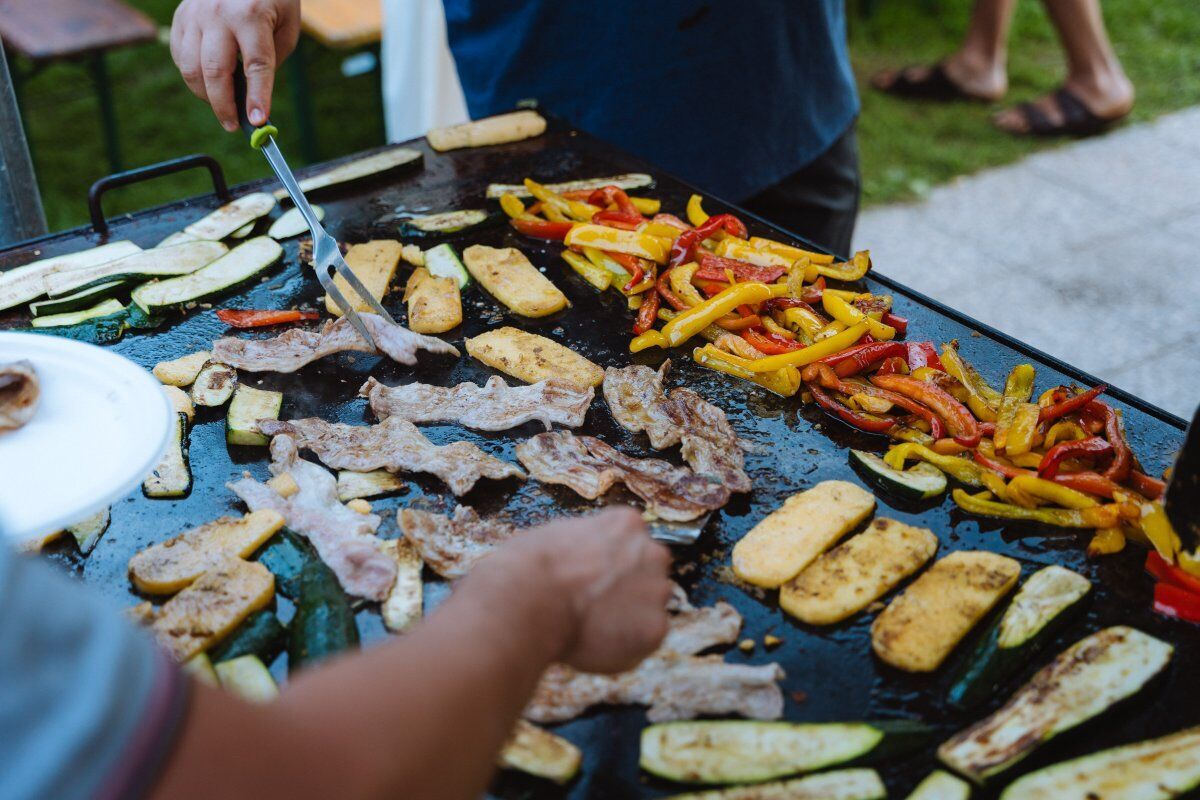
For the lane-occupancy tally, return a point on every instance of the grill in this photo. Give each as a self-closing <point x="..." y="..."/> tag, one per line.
<point x="831" y="672"/>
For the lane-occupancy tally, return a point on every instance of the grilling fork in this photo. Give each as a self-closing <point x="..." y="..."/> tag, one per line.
<point x="327" y="256"/>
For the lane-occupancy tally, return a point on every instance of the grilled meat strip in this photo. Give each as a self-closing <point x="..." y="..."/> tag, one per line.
<point x="710" y="446"/>
<point x="495" y="406"/>
<point x="590" y="467"/>
<point x="395" y="445"/>
<point x="450" y="546"/>
<point x="297" y="347"/>
<point x="344" y="539"/>
<point x="19" y="394"/>
<point x="673" y="681"/>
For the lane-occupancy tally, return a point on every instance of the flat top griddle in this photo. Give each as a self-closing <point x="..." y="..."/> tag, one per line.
<point x="831" y="672"/>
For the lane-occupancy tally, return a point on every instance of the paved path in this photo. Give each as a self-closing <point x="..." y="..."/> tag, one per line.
<point x="1089" y="252"/>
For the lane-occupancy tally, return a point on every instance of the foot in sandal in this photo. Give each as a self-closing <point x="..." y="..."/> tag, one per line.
<point x="1079" y="108"/>
<point x="958" y="77"/>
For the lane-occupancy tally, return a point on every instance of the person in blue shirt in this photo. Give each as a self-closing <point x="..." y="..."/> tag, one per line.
<point x="753" y="102"/>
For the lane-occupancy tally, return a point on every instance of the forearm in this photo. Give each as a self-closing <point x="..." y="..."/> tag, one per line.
<point x="423" y="715"/>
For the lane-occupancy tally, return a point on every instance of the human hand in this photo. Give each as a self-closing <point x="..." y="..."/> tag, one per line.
<point x="208" y="35"/>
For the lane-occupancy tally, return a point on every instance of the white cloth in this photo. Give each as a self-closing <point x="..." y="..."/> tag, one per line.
<point x="420" y="82"/>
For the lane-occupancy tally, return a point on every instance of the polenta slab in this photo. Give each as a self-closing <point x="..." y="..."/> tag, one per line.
<point x="169" y="566"/>
<point x="792" y="536"/>
<point x="921" y="627"/>
<point x="373" y="263"/>
<point x="532" y="358"/>
<point x="216" y="603"/>
<point x="857" y="572"/>
<point x="510" y="277"/>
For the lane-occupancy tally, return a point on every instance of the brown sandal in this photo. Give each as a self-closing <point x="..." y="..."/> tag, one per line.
<point x="936" y="85"/>
<point x="1077" y="119"/>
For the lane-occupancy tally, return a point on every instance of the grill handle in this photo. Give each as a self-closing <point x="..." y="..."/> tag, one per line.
<point x="132" y="176"/>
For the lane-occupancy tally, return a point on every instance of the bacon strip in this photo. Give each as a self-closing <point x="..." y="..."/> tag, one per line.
<point x="298" y="347"/>
<point x="344" y="539"/>
<point x="495" y="406"/>
<point x="451" y="546"/>
<point x="19" y="394"/>
<point x="395" y="445"/>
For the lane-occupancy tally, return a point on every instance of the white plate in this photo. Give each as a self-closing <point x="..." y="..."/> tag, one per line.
<point x="100" y="427"/>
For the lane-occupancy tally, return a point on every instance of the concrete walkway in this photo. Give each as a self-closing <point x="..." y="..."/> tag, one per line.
<point x="1090" y="252"/>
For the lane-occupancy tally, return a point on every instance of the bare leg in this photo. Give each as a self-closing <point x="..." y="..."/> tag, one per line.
<point x="1094" y="74"/>
<point x="979" y="66"/>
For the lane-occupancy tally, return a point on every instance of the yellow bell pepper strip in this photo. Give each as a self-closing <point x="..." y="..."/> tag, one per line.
<point x="743" y="251"/>
<point x="512" y="206"/>
<point x="596" y="276"/>
<point x="605" y="261"/>
<point x="784" y="382"/>
<point x="1189" y="562"/>
<point x="1017" y="390"/>
<point x="1029" y="460"/>
<point x="842" y="311"/>
<point x="695" y="210"/>
<point x="831" y="329"/>
<point x="962" y="470"/>
<point x="575" y="209"/>
<point x="1024" y="433"/>
<point x="814" y="352"/>
<point x="910" y="434"/>
<point x="804" y="320"/>
<point x="695" y="319"/>
<point x="662" y="231"/>
<point x="1105" y="516"/>
<point x="1017" y="496"/>
<point x="680" y="279"/>
<point x="618" y="241"/>
<point x="1106" y="542"/>
<point x="1154" y="523"/>
<point x="553" y="214"/>
<point x="774" y="327"/>
<point x="648" y="206"/>
<point x="734" y="345"/>
<point x="1064" y="431"/>
<point x="852" y="270"/>
<point x="1051" y="492"/>
<point x="788" y="251"/>
<point x="995" y="484"/>
<point x="982" y="399"/>
<point x="948" y="447"/>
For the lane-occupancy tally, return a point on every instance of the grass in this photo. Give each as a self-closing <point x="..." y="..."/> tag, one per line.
<point x="906" y="148"/>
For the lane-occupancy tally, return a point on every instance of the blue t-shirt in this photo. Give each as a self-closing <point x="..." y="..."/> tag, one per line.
<point x="731" y="95"/>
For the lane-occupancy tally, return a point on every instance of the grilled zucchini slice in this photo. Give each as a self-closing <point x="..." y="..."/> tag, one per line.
<point x="214" y="385"/>
<point x="77" y="301"/>
<point x="234" y="268"/>
<point x="357" y="169"/>
<point x="919" y="482"/>
<point x="1085" y="680"/>
<point x="633" y="180"/>
<point x="846" y="784"/>
<point x="261" y="635"/>
<point x="292" y="223"/>
<point x="940" y="785"/>
<point x="446" y="222"/>
<point x="539" y="752"/>
<point x="172" y="476"/>
<point x="107" y="308"/>
<point x="324" y="623"/>
<point x="23" y="284"/>
<point x="227" y="219"/>
<point x="87" y="532"/>
<point x="161" y="262"/>
<point x="248" y="678"/>
<point x="443" y="262"/>
<point x="247" y="407"/>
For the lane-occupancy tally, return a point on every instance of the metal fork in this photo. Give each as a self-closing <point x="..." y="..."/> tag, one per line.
<point x="327" y="256"/>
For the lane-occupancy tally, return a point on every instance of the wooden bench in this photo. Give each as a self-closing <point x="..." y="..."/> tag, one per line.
<point x="45" y="31"/>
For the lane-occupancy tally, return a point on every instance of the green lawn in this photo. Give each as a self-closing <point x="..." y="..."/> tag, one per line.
<point x="906" y="148"/>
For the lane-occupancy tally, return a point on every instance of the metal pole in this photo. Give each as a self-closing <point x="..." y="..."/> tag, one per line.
<point x="21" y="215"/>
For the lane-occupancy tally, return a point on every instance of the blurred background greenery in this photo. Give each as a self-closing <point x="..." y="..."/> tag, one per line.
<point x="906" y="148"/>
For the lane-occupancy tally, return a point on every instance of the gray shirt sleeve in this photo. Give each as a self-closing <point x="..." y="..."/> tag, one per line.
<point x="89" y="706"/>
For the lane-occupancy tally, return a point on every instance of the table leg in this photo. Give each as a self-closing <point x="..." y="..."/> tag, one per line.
<point x="108" y="116"/>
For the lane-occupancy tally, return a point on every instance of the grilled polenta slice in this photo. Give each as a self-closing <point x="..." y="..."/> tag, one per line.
<point x="792" y="536"/>
<point x="183" y="370"/>
<point x="374" y="264"/>
<point x="169" y="566"/>
<point x="216" y="603"/>
<point x="508" y="276"/>
<point x="857" y="572"/>
<point x="920" y="628"/>
<point x="434" y="303"/>
<point x="532" y="358"/>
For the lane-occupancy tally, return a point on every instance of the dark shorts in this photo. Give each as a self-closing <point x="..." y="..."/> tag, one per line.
<point x="819" y="202"/>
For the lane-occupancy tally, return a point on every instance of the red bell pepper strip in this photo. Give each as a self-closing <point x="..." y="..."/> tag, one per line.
<point x="1145" y="485"/>
<point x="824" y="375"/>
<point x="1122" y="462"/>
<point x="1087" y="482"/>
<point x="770" y="343"/>
<point x="712" y="268"/>
<point x="783" y="303"/>
<point x="541" y="228"/>
<point x="959" y="421"/>
<point x="923" y="354"/>
<point x="860" y="357"/>
<point x="607" y="195"/>
<point x="1167" y="572"/>
<point x="987" y="429"/>
<point x="863" y="422"/>
<point x="672" y="220"/>
<point x="1171" y="601"/>
<point x="710" y="288"/>
<point x="615" y="219"/>
<point x="893" y="365"/>
<point x="1093" y="447"/>
<point x="894" y="321"/>
<point x="684" y="248"/>
<point x="663" y="287"/>
<point x="813" y="293"/>
<point x="1070" y="405"/>
<point x="251" y="318"/>
<point x="631" y="264"/>
<point x="647" y="313"/>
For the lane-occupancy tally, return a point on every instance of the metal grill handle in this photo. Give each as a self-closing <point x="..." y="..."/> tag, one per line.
<point x="132" y="176"/>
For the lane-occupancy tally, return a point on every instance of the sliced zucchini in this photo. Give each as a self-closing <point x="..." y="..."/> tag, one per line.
<point x="247" y="407"/>
<point x="161" y="262"/>
<point x="447" y="221"/>
<point x="262" y="635"/>
<point x="292" y="223"/>
<point x="244" y="231"/>
<point x="1082" y="682"/>
<point x="27" y="283"/>
<point x="172" y="477"/>
<point x="248" y="678"/>
<point x="214" y="385"/>
<point x="443" y="262"/>
<point x="181" y="371"/>
<point x="99" y="330"/>
<point x="1038" y="611"/>
<point x="230" y="270"/>
<point x="231" y="216"/>
<point x="846" y="784"/>
<point x="353" y="485"/>
<point x="285" y="556"/>
<point x="106" y="308"/>
<point x="747" y="751"/>
<point x="87" y="532"/>
<point x="539" y="752"/>
<point x="939" y="785"/>
<point x="200" y="667"/>
<point x="356" y="169"/>
<point x="919" y="482"/>
<point x="1158" y="769"/>
<point x="633" y="180"/>
<point x="84" y="298"/>
<point x="324" y="623"/>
